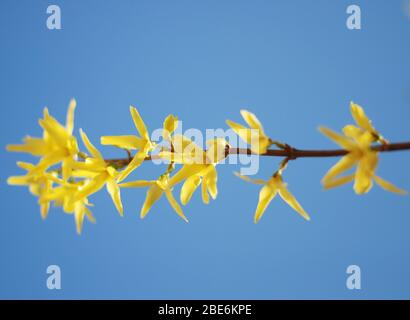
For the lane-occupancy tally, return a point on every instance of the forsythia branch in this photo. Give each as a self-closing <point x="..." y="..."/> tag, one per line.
<point x="65" y="176"/>
<point x="291" y="153"/>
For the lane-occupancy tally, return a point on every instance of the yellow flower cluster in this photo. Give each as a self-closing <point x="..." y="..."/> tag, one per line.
<point x="66" y="177"/>
<point x="357" y="140"/>
<point x="82" y="174"/>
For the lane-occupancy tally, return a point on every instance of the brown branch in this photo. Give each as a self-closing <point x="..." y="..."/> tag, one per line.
<point x="289" y="152"/>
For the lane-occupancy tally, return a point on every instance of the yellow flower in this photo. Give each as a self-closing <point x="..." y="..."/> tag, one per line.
<point x="64" y="196"/>
<point x="198" y="166"/>
<point x="143" y="143"/>
<point x="99" y="173"/>
<point x="255" y="135"/>
<point x="364" y="122"/>
<point x="170" y="125"/>
<point x="156" y="189"/>
<point x="358" y="143"/>
<point x="57" y="145"/>
<point x="271" y="188"/>
<point x="39" y="184"/>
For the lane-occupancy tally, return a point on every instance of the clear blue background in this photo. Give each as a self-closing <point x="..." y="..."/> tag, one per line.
<point x="293" y="63"/>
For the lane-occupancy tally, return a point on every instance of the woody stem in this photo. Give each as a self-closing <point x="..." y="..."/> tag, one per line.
<point x="290" y="153"/>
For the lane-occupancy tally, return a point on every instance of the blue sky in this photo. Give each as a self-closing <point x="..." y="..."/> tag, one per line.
<point x="293" y="63"/>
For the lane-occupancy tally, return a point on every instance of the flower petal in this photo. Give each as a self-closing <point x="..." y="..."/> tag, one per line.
<point x="247" y="179"/>
<point x="188" y="188"/>
<point x="34" y="146"/>
<point x="389" y="186"/>
<point x="134" y="164"/>
<point x="266" y="195"/>
<point x="175" y="205"/>
<point x="153" y="195"/>
<point x="170" y="125"/>
<point x="365" y="172"/>
<point x="79" y="213"/>
<point x="344" y="142"/>
<point x="360" y="117"/>
<point x="48" y="161"/>
<point x="92" y="186"/>
<point x="341" y="166"/>
<point x="70" y="117"/>
<point x="56" y="131"/>
<point x="210" y="178"/>
<point x="18" y="180"/>
<point x="244" y="133"/>
<point x="185" y="172"/>
<point x="353" y="132"/>
<point x="205" y="195"/>
<point x="126" y="142"/>
<point x="137" y="184"/>
<point x="252" y="121"/>
<point x="115" y="193"/>
<point x="90" y="147"/>
<point x="44" y="209"/>
<point x="292" y="202"/>
<point x="336" y="182"/>
<point x="139" y="123"/>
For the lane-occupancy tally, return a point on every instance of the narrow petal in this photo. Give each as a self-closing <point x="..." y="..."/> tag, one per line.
<point x="244" y="133"/>
<point x="336" y="182"/>
<point x="48" y="161"/>
<point x="70" y="117"/>
<point x="266" y="195"/>
<point x="79" y="214"/>
<point x="292" y="202"/>
<point x="188" y="188"/>
<point x="25" y="165"/>
<point x="84" y="174"/>
<point x="205" y="195"/>
<point x="134" y="164"/>
<point x="66" y="167"/>
<point x="18" y="180"/>
<point x="34" y="146"/>
<point x="139" y="123"/>
<point x="89" y="215"/>
<point x="56" y="131"/>
<point x="344" y="142"/>
<point x="340" y="167"/>
<point x="175" y="205"/>
<point x="365" y="172"/>
<point x="90" y="147"/>
<point x="389" y="186"/>
<point x="360" y="117"/>
<point x="210" y="179"/>
<point x="44" y="209"/>
<point x="115" y="193"/>
<point x="252" y="121"/>
<point x="92" y="186"/>
<point x="153" y="195"/>
<point x="247" y="179"/>
<point x="185" y="172"/>
<point x="126" y="142"/>
<point x="170" y="125"/>
<point x="353" y="132"/>
<point x="137" y="184"/>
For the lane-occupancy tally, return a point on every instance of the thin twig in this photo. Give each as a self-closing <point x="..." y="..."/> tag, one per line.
<point x="290" y="153"/>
